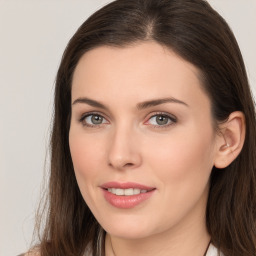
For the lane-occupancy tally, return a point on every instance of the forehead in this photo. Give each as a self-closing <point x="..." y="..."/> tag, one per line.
<point x="138" y="72"/>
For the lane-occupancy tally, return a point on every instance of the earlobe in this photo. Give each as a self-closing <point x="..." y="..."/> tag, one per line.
<point x="231" y="140"/>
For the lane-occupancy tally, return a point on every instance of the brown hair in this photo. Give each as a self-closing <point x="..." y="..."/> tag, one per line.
<point x="197" y="33"/>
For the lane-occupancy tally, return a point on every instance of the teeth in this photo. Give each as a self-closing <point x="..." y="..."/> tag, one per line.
<point x="136" y="191"/>
<point x="119" y="192"/>
<point x="126" y="192"/>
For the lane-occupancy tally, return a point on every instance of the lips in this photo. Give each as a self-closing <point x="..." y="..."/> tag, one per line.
<point x="126" y="195"/>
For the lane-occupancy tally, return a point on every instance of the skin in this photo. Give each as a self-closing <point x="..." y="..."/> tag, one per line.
<point x="129" y="146"/>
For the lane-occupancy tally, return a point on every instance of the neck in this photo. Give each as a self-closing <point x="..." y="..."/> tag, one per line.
<point x="191" y="240"/>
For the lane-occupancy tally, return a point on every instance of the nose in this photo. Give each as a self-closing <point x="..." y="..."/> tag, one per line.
<point x="124" y="150"/>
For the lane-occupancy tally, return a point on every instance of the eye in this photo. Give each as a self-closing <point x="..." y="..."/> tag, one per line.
<point x="161" y="120"/>
<point x="93" y="120"/>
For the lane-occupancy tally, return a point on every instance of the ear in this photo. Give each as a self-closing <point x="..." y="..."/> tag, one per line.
<point x="230" y="141"/>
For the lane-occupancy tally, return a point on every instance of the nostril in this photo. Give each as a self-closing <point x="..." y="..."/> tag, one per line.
<point x="128" y="164"/>
<point x="122" y="160"/>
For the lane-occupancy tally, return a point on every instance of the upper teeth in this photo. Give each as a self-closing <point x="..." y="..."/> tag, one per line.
<point x="126" y="192"/>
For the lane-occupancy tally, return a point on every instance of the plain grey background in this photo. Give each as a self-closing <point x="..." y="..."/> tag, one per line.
<point x="33" y="35"/>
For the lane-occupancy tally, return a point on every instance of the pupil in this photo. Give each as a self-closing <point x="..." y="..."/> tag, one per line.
<point x="161" y="120"/>
<point x="96" y="119"/>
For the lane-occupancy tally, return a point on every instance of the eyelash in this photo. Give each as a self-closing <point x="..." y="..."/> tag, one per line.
<point x="84" y="116"/>
<point x="173" y="120"/>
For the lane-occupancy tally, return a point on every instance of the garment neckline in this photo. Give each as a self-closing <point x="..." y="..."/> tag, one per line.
<point x="213" y="251"/>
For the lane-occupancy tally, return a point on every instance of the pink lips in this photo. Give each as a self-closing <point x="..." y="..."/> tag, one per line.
<point x="122" y="201"/>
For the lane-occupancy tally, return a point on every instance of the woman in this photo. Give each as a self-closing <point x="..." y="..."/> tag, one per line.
<point x="153" y="140"/>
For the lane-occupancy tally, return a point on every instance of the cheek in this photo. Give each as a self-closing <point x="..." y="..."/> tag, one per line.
<point x="86" y="157"/>
<point x="183" y="157"/>
<point x="86" y="153"/>
<point x="181" y="165"/>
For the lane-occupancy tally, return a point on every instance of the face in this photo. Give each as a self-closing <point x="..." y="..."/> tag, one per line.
<point x="141" y="139"/>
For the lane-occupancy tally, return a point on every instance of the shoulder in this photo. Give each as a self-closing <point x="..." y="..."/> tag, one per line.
<point x="31" y="253"/>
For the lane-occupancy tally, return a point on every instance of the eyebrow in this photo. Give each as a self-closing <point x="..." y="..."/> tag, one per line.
<point x="90" y="102"/>
<point x="140" y="106"/>
<point x="156" y="102"/>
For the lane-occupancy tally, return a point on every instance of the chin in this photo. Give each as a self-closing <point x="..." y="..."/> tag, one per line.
<point x="129" y="229"/>
<point x="132" y="234"/>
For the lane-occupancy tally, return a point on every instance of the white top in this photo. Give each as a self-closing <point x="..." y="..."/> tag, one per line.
<point x="212" y="251"/>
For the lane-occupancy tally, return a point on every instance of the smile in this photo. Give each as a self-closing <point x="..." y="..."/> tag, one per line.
<point x="126" y="195"/>
<point x="126" y="192"/>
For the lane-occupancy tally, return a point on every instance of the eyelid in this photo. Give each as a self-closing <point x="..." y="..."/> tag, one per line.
<point x="83" y="116"/>
<point x="173" y="119"/>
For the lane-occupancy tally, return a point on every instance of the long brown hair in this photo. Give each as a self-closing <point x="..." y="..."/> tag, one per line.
<point x="197" y="33"/>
